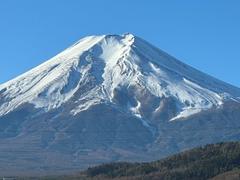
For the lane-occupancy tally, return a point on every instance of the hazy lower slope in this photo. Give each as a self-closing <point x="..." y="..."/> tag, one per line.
<point x="220" y="160"/>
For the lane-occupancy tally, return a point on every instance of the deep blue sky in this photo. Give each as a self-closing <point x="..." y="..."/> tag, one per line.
<point x="204" y="34"/>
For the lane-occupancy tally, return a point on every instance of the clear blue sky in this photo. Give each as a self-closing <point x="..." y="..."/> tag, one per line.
<point x="204" y="33"/>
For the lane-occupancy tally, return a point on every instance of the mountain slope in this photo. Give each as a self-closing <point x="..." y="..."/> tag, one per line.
<point x="111" y="63"/>
<point x="110" y="98"/>
<point x="230" y="175"/>
<point x="216" y="161"/>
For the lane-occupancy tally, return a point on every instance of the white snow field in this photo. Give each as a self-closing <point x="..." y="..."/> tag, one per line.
<point x="114" y="61"/>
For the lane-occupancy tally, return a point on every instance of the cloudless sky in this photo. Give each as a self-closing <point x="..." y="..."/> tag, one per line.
<point x="204" y="34"/>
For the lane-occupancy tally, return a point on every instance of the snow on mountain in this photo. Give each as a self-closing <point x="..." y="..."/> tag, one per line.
<point x="110" y="98"/>
<point x="112" y="62"/>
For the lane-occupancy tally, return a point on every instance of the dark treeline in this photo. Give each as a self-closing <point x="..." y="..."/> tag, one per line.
<point x="200" y="163"/>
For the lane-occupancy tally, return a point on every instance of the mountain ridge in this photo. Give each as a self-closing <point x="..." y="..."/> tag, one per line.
<point x="97" y="50"/>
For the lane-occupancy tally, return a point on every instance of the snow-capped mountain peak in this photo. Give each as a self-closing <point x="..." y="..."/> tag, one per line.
<point x="97" y="69"/>
<point x="110" y="98"/>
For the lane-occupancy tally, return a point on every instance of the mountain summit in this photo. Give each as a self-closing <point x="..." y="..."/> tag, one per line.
<point x="110" y="98"/>
<point x="107" y="64"/>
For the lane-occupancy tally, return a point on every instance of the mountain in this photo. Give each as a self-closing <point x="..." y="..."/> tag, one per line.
<point x="110" y="98"/>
